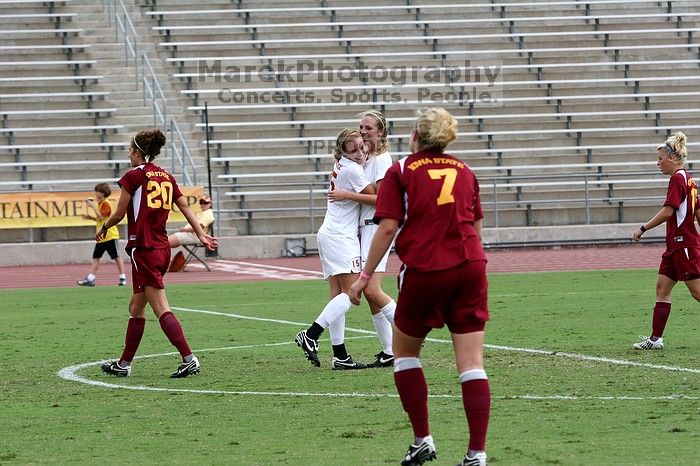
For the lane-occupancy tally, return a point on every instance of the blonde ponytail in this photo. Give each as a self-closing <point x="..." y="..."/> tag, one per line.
<point x="675" y="146"/>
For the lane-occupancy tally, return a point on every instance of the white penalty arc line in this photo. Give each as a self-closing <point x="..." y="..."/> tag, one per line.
<point x="273" y="267"/>
<point x="70" y="374"/>
<point x="577" y="356"/>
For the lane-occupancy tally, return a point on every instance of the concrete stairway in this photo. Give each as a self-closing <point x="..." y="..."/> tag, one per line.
<point x="116" y="77"/>
<point x="126" y="90"/>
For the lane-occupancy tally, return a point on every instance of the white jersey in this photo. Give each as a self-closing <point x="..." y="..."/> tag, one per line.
<point x="375" y="168"/>
<point x="341" y="216"/>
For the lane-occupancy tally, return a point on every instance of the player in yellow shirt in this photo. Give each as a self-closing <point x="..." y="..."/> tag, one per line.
<point x="102" y="209"/>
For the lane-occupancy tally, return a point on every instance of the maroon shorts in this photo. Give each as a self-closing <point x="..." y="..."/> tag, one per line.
<point x="681" y="265"/>
<point x="457" y="297"/>
<point x="148" y="266"/>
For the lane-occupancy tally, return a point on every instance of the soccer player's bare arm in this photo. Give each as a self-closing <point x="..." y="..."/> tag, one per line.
<point x="360" y="198"/>
<point x="664" y="214"/>
<point x="366" y="196"/>
<point x="341" y="194"/>
<point x="380" y="244"/>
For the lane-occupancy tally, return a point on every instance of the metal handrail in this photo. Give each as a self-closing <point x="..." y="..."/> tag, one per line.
<point x="152" y="87"/>
<point x="128" y="31"/>
<point x="181" y="154"/>
<point x="583" y="196"/>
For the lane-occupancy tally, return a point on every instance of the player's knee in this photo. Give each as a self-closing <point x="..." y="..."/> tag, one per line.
<point x="136" y="309"/>
<point x="373" y="293"/>
<point x="469" y="361"/>
<point x="663" y="293"/>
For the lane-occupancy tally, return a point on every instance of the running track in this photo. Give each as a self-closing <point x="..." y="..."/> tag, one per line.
<point x="509" y="260"/>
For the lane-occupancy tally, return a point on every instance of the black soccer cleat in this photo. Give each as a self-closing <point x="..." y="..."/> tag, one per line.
<point x="419" y="454"/>
<point x="347" y="364"/>
<point x="187" y="368"/>
<point x="309" y="346"/>
<point x="114" y="368"/>
<point x="383" y="359"/>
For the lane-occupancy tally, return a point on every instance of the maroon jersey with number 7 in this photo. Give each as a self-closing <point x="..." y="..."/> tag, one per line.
<point x="436" y="199"/>
<point x="153" y="193"/>
<point x="682" y="195"/>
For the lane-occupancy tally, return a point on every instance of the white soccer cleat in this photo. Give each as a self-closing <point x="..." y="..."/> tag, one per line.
<point x="187" y="368"/>
<point x="419" y="454"/>
<point x="647" y="343"/>
<point x="114" y="368"/>
<point x="475" y="459"/>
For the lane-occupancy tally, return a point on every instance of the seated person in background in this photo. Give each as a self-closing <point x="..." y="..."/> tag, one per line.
<point x="185" y="235"/>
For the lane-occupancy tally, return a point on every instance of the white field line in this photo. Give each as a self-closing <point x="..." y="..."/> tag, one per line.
<point x="268" y="267"/>
<point x="70" y="374"/>
<point x="260" y="270"/>
<point x="561" y="293"/>
<point x="276" y="267"/>
<point x="580" y="357"/>
<point x="231" y="266"/>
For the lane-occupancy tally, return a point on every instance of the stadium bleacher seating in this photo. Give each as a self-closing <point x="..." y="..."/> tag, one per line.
<point x="52" y="108"/>
<point x="583" y="93"/>
<point x="632" y="73"/>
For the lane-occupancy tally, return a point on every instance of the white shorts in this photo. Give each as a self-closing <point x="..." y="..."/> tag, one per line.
<point x="338" y="254"/>
<point x="185" y="237"/>
<point x="366" y="234"/>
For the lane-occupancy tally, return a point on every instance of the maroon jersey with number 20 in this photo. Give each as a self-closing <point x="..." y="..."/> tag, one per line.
<point x="153" y="193"/>
<point x="436" y="199"/>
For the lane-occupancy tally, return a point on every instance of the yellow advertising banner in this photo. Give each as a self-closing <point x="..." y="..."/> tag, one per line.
<point x="31" y="209"/>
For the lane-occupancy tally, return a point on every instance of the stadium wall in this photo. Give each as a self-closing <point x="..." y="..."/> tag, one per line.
<point x="241" y="247"/>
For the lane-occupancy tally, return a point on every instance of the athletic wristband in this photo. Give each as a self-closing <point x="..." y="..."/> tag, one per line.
<point x="642" y="229"/>
<point x="365" y="276"/>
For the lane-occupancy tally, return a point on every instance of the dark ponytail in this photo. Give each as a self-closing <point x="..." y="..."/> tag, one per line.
<point x="149" y="143"/>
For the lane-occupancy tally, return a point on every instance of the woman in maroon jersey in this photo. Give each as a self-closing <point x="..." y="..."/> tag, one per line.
<point x="681" y="260"/>
<point x="434" y="197"/>
<point x="147" y="196"/>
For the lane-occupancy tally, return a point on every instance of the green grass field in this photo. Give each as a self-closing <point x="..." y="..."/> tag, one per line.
<point x="251" y="405"/>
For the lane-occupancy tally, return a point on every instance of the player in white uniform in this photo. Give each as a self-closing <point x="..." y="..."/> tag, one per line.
<point x="382" y="306"/>
<point x="339" y="251"/>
